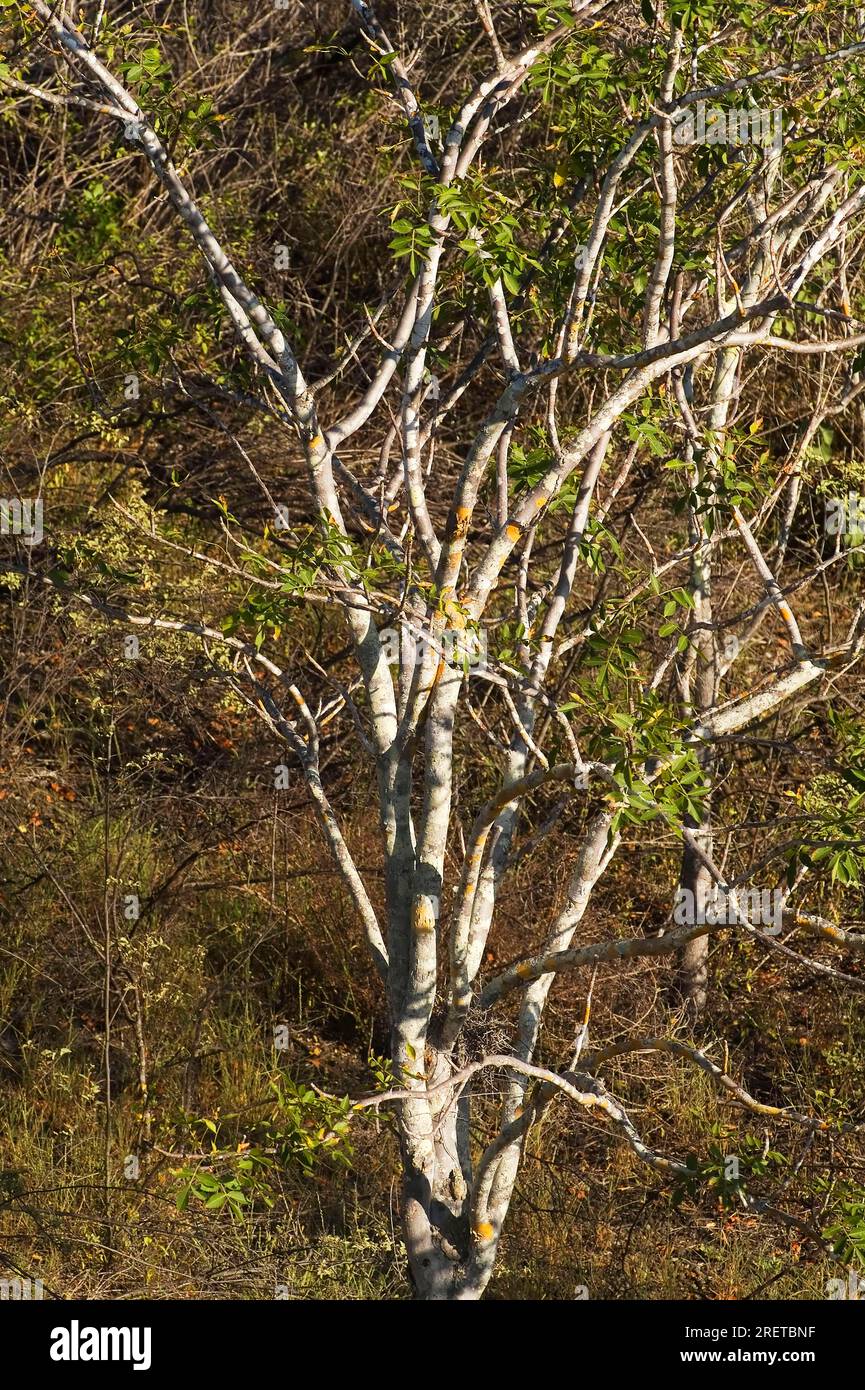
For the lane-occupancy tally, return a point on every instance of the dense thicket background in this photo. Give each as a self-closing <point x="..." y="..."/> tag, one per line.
<point x="152" y="1038"/>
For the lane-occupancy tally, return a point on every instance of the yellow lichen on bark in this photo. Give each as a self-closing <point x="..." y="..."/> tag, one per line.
<point x="454" y="613"/>
<point x="422" y="917"/>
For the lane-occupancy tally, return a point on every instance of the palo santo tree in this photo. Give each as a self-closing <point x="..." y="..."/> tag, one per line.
<point x="561" y="525"/>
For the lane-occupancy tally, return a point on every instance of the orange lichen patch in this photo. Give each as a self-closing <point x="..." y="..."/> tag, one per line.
<point x="542" y="500"/>
<point x="524" y="970"/>
<point x="462" y="516"/>
<point x="484" y="1230"/>
<point x="455" y="616"/>
<point x="422" y="917"/>
<point x="513" y="532"/>
<point x="317" y="441"/>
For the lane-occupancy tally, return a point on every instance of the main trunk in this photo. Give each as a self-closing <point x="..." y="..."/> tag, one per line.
<point x="437" y="1192"/>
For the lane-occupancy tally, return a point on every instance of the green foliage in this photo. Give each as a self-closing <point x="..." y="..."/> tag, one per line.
<point x="86" y="559"/>
<point x="552" y="13"/>
<point x="488" y="233"/>
<point x="146" y="71"/>
<point x="527" y="466"/>
<point x="833" y="803"/>
<point x="717" y="1175"/>
<point x="509" y="637"/>
<point x="241" y="1181"/>
<point x="678" y="601"/>
<point x="846" y="1230"/>
<point x="304" y="1129"/>
<point x="599" y="546"/>
<point x="382" y="1072"/>
<point x="647" y="731"/>
<point x="645" y="425"/>
<point x="481" y="215"/>
<point x="91" y="223"/>
<point x="850" y="734"/>
<point x="715" y="481"/>
<point x="692" y="15"/>
<point x="320" y="551"/>
<point x="412" y="241"/>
